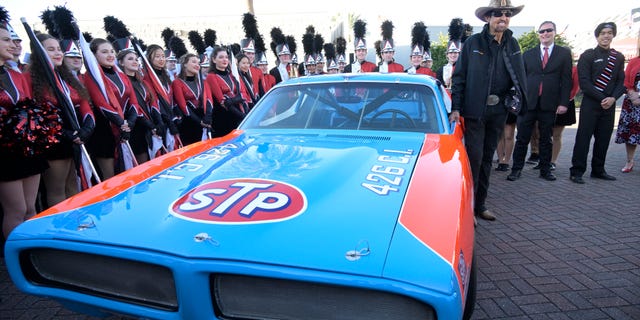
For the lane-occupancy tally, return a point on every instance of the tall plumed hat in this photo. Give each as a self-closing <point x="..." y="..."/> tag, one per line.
<point x="483" y="12"/>
<point x="250" y="26"/>
<point x="418" y="33"/>
<point x="293" y="46"/>
<point x="386" y="45"/>
<point x="4" y="20"/>
<point x="197" y="42"/>
<point x="330" y="55"/>
<point x="68" y="35"/>
<point x="359" y="31"/>
<point x="341" y="49"/>
<point x="307" y="46"/>
<point x="117" y="30"/>
<point x="456" y="30"/>
<point x="168" y="33"/>
<point x="318" y="42"/>
<point x="279" y="42"/>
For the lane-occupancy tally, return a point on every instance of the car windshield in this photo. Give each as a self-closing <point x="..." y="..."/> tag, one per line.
<point x="349" y="106"/>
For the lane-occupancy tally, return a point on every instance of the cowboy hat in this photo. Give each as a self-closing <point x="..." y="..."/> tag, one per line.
<point x="497" y="5"/>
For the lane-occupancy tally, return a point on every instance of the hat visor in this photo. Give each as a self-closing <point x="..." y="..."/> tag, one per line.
<point x="484" y="11"/>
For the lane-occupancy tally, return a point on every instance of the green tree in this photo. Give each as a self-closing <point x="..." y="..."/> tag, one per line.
<point x="530" y="40"/>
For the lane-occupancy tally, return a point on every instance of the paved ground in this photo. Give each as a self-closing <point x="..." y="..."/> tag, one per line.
<point x="557" y="251"/>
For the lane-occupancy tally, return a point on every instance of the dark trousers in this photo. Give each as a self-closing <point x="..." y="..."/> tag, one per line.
<point x="598" y="123"/>
<point x="525" y="125"/>
<point x="480" y="140"/>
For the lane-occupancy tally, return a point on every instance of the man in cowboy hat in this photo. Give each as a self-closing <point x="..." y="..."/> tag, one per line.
<point x="478" y="93"/>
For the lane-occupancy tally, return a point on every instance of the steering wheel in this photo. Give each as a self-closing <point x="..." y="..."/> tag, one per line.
<point x="395" y="113"/>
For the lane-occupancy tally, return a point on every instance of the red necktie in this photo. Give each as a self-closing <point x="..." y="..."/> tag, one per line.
<point x="545" y="59"/>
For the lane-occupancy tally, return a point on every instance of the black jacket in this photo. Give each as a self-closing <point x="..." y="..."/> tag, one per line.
<point x="555" y="78"/>
<point x="590" y="66"/>
<point x="470" y="80"/>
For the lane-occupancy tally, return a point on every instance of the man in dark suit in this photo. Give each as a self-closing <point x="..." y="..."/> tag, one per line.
<point x="548" y="69"/>
<point x="601" y="78"/>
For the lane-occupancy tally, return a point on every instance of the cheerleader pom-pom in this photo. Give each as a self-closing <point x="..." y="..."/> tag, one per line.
<point x="30" y="129"/>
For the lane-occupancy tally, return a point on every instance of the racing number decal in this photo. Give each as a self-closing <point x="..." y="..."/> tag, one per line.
<point x="385" y="178"/>
<point x="240" y="201"/>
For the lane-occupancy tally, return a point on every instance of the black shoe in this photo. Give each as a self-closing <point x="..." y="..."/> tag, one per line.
<point x="533" y="158"/>
<point x="537" y="167"/>
<point x="548" y="176"/>
<point x="603" y="176"/>
<point x="553" y="166"/>
<point x="577" y="179"/>
<point x="514" y="175"/>
<point x="502" y="167"/>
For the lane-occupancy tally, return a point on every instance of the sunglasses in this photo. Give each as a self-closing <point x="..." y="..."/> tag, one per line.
<point x="541" y="31"/>
<point x="500" y="13"/>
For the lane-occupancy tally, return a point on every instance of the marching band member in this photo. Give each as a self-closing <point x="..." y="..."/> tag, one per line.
<point x="387" y="50"/>
<point x="360" y="47"/>
<point x="419" y="45"/>
<point x="248" y="47"/>
<point x="283" y="69"/>
<point x="456" y="29"/>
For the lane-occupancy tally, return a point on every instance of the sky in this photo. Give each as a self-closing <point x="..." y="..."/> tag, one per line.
<point x="576" y="17"/>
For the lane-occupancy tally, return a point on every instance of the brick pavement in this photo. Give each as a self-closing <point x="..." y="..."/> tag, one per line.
<point x="557" y="251"/>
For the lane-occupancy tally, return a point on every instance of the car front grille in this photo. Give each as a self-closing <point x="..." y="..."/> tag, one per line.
<point x="130" y="281"/>
<point x="244" y="297"/>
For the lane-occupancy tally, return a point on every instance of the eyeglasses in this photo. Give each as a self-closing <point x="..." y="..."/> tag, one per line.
<point x="541" y="31"/>
<point x="500" y="13"/>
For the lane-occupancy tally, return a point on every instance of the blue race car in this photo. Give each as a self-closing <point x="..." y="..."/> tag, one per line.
<point x="339" y="197"/>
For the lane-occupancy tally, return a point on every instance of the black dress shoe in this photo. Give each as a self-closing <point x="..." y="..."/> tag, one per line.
<point x="502" y="167"/>
<point x="548" y="176"/>
<point x="514" y="175"/>
<point x="537" y="167"/>
<point x="534" y="158"/>
<point x="553" y="166"/>
<point x="603" y="176"/>
<point x="577" y="179"/>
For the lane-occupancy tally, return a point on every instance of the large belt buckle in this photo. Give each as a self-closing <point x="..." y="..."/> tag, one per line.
<point x="492" y="100"/>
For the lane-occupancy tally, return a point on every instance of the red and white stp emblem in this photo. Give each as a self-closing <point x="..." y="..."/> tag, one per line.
<point x="240" y="201"/>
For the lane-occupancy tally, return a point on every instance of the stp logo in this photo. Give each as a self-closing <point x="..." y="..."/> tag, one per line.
<point x="240" y="201"/>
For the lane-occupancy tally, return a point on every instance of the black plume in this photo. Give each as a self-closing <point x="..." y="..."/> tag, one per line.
<point x="377" y="44"/>
<point x="4" y="15"/>
<point x="359" y="28"/>
<point x="418" y="32"/>
<point x="111" y="38"/>
<point x="87" y="36"/>
<point x="291" y="42"/>
<point x="47" y="20"/>
<point x="426" y="42"/>
<point x="310" y="29"/>
<point x="260" y="45"/>
<point x="387" y="30"/>
<point x="167" y="34"/>
<point x="141" y="43"/>
<point x="468" y="31"/>
<point x="210" y="38"/>
<point x="329" y="51"/>
<point x="307" y="43"/>
<point x="250" y="26"/>
<point x="177" y="46"/>
<point x="277" y="37"/>
<point x="456" y="28"/>
<point x="235" y="48"/>
<point x="341" y="45"/>
<point x="318" y="41"/>
<point x="64" y="22"/>
<point x="196" y="41"/>
<point x="116" y="27"/>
